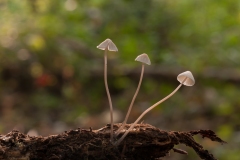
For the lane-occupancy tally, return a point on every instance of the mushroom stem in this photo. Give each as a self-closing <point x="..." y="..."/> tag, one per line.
<point x="130" y="107"/>
<point x="108" y="94"/>
<point x="146" y="111"/>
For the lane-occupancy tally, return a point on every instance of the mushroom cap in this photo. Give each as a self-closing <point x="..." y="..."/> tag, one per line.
<point x="190" y="79"/>
<point x="107" y="44"/>
<point x="143" y="58"/>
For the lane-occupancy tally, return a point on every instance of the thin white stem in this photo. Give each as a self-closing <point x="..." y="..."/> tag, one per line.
<point x="130" y="107"/>
<point x="108" y="94"/>
<point x="146" y="111"/>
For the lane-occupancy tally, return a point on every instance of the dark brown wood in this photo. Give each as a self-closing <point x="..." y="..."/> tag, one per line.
<point x="143" y="142"/>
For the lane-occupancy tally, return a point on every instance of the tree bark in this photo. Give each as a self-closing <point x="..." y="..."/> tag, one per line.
<point x="143" y="142"/>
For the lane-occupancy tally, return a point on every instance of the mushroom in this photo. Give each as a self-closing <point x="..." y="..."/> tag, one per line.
<point x="108" y="45"/>
<point x="185" y="78"/>
<point x="189" y="81"/>
<point x="144" y="59"/>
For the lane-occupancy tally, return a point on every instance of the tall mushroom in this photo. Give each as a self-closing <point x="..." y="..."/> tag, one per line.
<point x="108" y="45"/>
<point x="144" y="59"/>
<point x="185" y="78"/>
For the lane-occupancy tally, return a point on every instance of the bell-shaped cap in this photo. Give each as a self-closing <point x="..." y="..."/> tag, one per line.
<point x="143" y="58"/>
<point x="107" y="44"/>
<point x="190" y="79"/>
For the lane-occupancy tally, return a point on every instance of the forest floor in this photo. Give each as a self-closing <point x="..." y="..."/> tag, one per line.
<point x="143" y="142"/>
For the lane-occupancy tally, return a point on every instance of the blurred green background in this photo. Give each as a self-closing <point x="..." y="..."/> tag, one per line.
<point x="52" y="72"/>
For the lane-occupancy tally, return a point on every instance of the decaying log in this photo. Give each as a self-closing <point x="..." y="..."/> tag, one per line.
<point x="143" y="142"/>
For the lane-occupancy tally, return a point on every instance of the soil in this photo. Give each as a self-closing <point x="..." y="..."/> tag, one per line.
<point x="144" y="142"/>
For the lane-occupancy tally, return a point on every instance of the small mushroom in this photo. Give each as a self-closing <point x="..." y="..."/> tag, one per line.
<point x="190" y="80"/>
<point x="144" y="59"/>
<point x="185" y="78"/>
<point x="108" y="45"/>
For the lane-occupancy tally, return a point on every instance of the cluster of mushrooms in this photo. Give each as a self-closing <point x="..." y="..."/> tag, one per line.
<point x="186" y="78"/>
